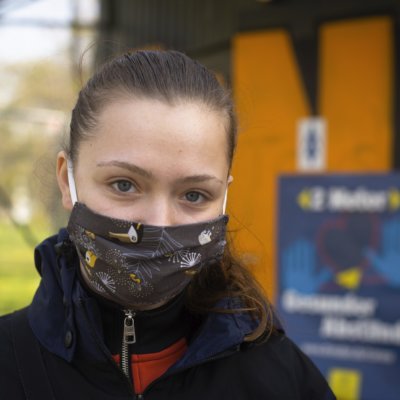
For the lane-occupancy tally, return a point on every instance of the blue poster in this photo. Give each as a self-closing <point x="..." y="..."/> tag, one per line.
<point x="339" y="278"/>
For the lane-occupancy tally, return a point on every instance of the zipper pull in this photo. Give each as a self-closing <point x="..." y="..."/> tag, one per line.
<point x="129" y="327"/>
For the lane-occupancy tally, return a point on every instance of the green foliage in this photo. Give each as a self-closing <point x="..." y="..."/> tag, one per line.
<point x="18" y="276"/>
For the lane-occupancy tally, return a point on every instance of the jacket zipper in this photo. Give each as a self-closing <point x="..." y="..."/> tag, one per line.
<point x="128" y="337"/>
<point x="105" y="350"/>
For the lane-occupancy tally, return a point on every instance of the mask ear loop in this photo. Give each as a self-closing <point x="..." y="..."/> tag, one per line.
<point x="225" y="201"/>
<point x="230" y="179"/>
<point x="71" y="182"/>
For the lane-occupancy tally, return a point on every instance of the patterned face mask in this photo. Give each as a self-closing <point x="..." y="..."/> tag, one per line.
<point x="142" y="265"/>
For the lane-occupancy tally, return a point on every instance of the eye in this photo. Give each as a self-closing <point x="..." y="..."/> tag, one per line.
<point x="123" y="186"/>
<point x="194" y="197"/>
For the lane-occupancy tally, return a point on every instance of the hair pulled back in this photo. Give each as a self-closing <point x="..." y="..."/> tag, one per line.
<point x="172" y="77"/>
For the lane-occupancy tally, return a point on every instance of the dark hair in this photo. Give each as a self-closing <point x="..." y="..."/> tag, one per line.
<point x="168" y="76"/>
<point x="172" y="77"/>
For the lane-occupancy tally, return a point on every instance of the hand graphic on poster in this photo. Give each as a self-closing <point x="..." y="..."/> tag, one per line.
<point x="299" y="268"/>
<point x="388" y="263"/>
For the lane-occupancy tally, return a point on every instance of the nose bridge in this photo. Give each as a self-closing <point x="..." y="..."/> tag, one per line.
<point x="160" y="211"/>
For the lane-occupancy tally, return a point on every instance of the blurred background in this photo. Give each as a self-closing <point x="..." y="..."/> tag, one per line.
<point x="41" y="47"/>
<point x="317" y="87"/>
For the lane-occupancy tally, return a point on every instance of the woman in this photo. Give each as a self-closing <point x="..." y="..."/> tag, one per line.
<point x="140" y="297"/>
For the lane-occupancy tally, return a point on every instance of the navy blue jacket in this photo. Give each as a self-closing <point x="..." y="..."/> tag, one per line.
<point x="65" y="323"/>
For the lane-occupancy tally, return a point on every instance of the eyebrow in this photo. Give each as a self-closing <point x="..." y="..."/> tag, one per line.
<point x="199" y="179"/>
<point x="125" y="165"/>
<point x="147" y="174"/>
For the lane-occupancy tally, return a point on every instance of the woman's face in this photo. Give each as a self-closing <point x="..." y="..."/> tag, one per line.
<point x="153" y="163"/>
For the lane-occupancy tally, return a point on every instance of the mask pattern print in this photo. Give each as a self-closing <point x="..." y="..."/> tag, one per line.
<point x="142" y="265"/>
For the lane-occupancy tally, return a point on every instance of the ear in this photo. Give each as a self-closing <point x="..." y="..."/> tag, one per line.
<point x="62" y="180"/>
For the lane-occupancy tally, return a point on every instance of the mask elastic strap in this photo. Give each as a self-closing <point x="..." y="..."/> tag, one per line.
<point x="230" y="179"/>
<point x="71" y="182"/>
<point x="225" y="200"/>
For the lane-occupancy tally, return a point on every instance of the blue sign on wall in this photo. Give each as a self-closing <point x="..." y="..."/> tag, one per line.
<point x="339" y="278"/>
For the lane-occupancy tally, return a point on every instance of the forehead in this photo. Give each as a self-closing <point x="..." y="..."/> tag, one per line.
<point x="189" y="118"/>
<point x="152" y="132"/>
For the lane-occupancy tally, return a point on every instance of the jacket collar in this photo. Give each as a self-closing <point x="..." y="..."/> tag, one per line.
<point x="51" y="314"/>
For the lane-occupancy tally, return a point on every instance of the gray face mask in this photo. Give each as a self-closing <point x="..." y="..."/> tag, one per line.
<point x="138" y="265"/>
